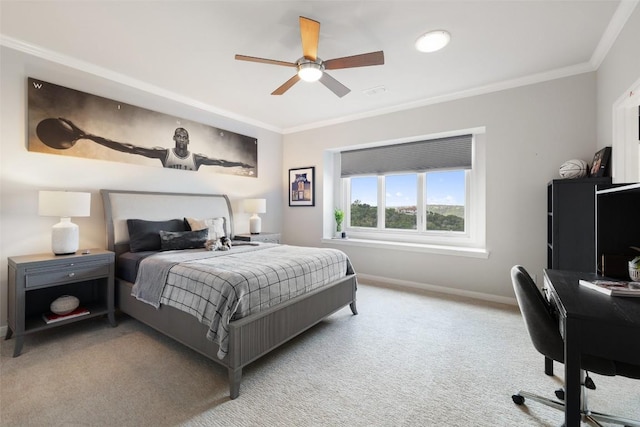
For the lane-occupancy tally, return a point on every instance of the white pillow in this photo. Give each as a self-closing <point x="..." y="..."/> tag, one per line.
<point x="216" y="226"/>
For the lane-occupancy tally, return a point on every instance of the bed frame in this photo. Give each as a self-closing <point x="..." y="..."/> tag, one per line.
<point x="250" y="337"/>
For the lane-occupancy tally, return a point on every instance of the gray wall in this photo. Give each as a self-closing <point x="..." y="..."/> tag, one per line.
<point x="23" y="173"/>
<point x="530" y="131"/>
<point x="617" y="73"/>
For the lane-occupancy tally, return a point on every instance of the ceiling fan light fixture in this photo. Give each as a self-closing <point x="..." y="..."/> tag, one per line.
<point x="310" y="68"/>
<point x="433" y="41"/>
<point x="310" y="71"/>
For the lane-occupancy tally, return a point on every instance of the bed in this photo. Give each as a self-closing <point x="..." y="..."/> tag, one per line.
<point x="248" y="338"/>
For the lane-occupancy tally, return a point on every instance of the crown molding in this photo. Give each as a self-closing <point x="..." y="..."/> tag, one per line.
<point x="585" y="67"/>
<point x="617" y="23"/>
<point x="105" y="73"/>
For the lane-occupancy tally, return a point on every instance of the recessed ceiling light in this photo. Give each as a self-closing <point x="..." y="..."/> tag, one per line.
<point x="433" y="41"/>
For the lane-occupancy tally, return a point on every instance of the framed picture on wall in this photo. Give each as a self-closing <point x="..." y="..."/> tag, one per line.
<point x="302" y="183"/>
<point x="600" y="165"/>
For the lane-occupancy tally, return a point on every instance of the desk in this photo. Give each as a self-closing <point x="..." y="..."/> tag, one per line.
<point x="590" y="323"/>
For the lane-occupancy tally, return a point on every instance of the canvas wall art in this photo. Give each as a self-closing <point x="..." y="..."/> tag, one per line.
<point x="68" y="122"/>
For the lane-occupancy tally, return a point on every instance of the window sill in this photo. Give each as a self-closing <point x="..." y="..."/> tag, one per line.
<point x="411" y="247"/>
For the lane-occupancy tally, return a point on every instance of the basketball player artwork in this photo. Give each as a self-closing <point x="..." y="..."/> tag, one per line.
<point x="72" y="123"/>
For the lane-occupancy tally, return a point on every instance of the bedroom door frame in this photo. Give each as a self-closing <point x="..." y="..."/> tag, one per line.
<point x="626" y="136"/>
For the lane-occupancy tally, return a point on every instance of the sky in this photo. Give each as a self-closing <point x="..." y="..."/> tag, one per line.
<point x="443" y="188"/>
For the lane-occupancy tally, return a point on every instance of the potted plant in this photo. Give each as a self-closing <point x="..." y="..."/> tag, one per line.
<point x="338" y="214"/>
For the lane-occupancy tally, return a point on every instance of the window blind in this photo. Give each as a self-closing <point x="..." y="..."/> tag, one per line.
<point x="443" y="153"/>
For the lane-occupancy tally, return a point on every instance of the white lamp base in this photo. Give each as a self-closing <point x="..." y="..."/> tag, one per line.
<point x="65" y="237"/>
<point x="255" y="224"/>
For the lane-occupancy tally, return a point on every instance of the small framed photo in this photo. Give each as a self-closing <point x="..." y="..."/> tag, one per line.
<point x="600" y="165"/>
<point x="302" y="183"/>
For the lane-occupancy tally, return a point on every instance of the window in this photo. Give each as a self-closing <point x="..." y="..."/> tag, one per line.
<point x="429" y="192"/>
<point x="363" y="203"/>
<point x="446" y="200"/>
<point x="443" y="206"/>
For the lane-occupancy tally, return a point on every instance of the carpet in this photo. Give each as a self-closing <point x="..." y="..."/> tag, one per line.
<point x="410" y="358"/>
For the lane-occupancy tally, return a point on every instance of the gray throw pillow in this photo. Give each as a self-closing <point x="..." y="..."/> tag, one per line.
<point x="145" y="235"/>
<point x="174" y="240"/>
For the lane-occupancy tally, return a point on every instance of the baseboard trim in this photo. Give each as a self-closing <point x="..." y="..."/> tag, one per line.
<point x="386" y="281"/>
<point x="369" y="279"/>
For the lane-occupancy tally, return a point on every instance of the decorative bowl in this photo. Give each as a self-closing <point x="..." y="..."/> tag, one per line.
<point x="64" y="304"/>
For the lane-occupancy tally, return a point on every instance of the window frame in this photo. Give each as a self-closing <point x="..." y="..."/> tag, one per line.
<point x="470" y="243"/>
<point x="411" y="235"/>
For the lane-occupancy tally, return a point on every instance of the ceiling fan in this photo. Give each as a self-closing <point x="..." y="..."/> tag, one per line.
<point x="312" y="68"/>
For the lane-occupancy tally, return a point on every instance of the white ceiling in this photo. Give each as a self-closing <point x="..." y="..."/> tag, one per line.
<point x="185" y="49"/>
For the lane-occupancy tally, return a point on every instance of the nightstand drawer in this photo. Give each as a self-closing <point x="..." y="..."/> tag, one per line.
<point x="70" y="273"/>
<point x="262" y="237"/>
<point x="266" y="240"/>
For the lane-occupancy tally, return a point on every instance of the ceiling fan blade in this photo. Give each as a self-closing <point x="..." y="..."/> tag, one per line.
<point x="334" y="85"/>
<point x="363" y="60"/>
<point x="287" y="85"/>
<point x="310" y="34"/>
<point x="265" y="61"/>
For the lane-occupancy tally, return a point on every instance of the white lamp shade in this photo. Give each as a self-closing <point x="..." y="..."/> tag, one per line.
<point x="64" y="204"/>
<point x="65" y="235"/>
<point x="255" y="205"/>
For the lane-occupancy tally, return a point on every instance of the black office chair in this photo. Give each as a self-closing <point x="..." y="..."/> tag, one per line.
<point x="542" y="325"/>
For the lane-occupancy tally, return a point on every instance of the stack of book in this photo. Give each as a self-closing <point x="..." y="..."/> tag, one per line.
<point x="616" y="288"/>
<point x="52" y="317"/>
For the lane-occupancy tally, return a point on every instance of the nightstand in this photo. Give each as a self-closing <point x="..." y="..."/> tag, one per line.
<point x="36" y="280"/>
<point x="262" y="237"/>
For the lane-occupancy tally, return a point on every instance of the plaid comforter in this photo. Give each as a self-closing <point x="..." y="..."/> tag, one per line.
<point x="220" y="286"/>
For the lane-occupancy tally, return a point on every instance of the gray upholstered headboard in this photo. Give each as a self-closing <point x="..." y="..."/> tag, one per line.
<point x="120" y="205"/>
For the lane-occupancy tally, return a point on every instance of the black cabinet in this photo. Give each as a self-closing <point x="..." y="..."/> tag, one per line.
<point x="617" y="229"/>
<point x="571" y="223"/>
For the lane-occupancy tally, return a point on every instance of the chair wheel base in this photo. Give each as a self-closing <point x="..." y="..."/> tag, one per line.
<point x="517" y="399"/>
<point x="559" y="394"/>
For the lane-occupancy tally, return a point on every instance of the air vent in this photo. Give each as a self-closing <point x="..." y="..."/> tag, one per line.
<point x="375" y="90"/>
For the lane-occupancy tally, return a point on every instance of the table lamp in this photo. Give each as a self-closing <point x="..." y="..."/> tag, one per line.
<point x="65" y="235"/>
<point x="255" y="206"/>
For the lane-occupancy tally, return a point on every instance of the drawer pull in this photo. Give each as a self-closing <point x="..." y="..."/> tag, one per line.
<point x="72" y="274"/>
